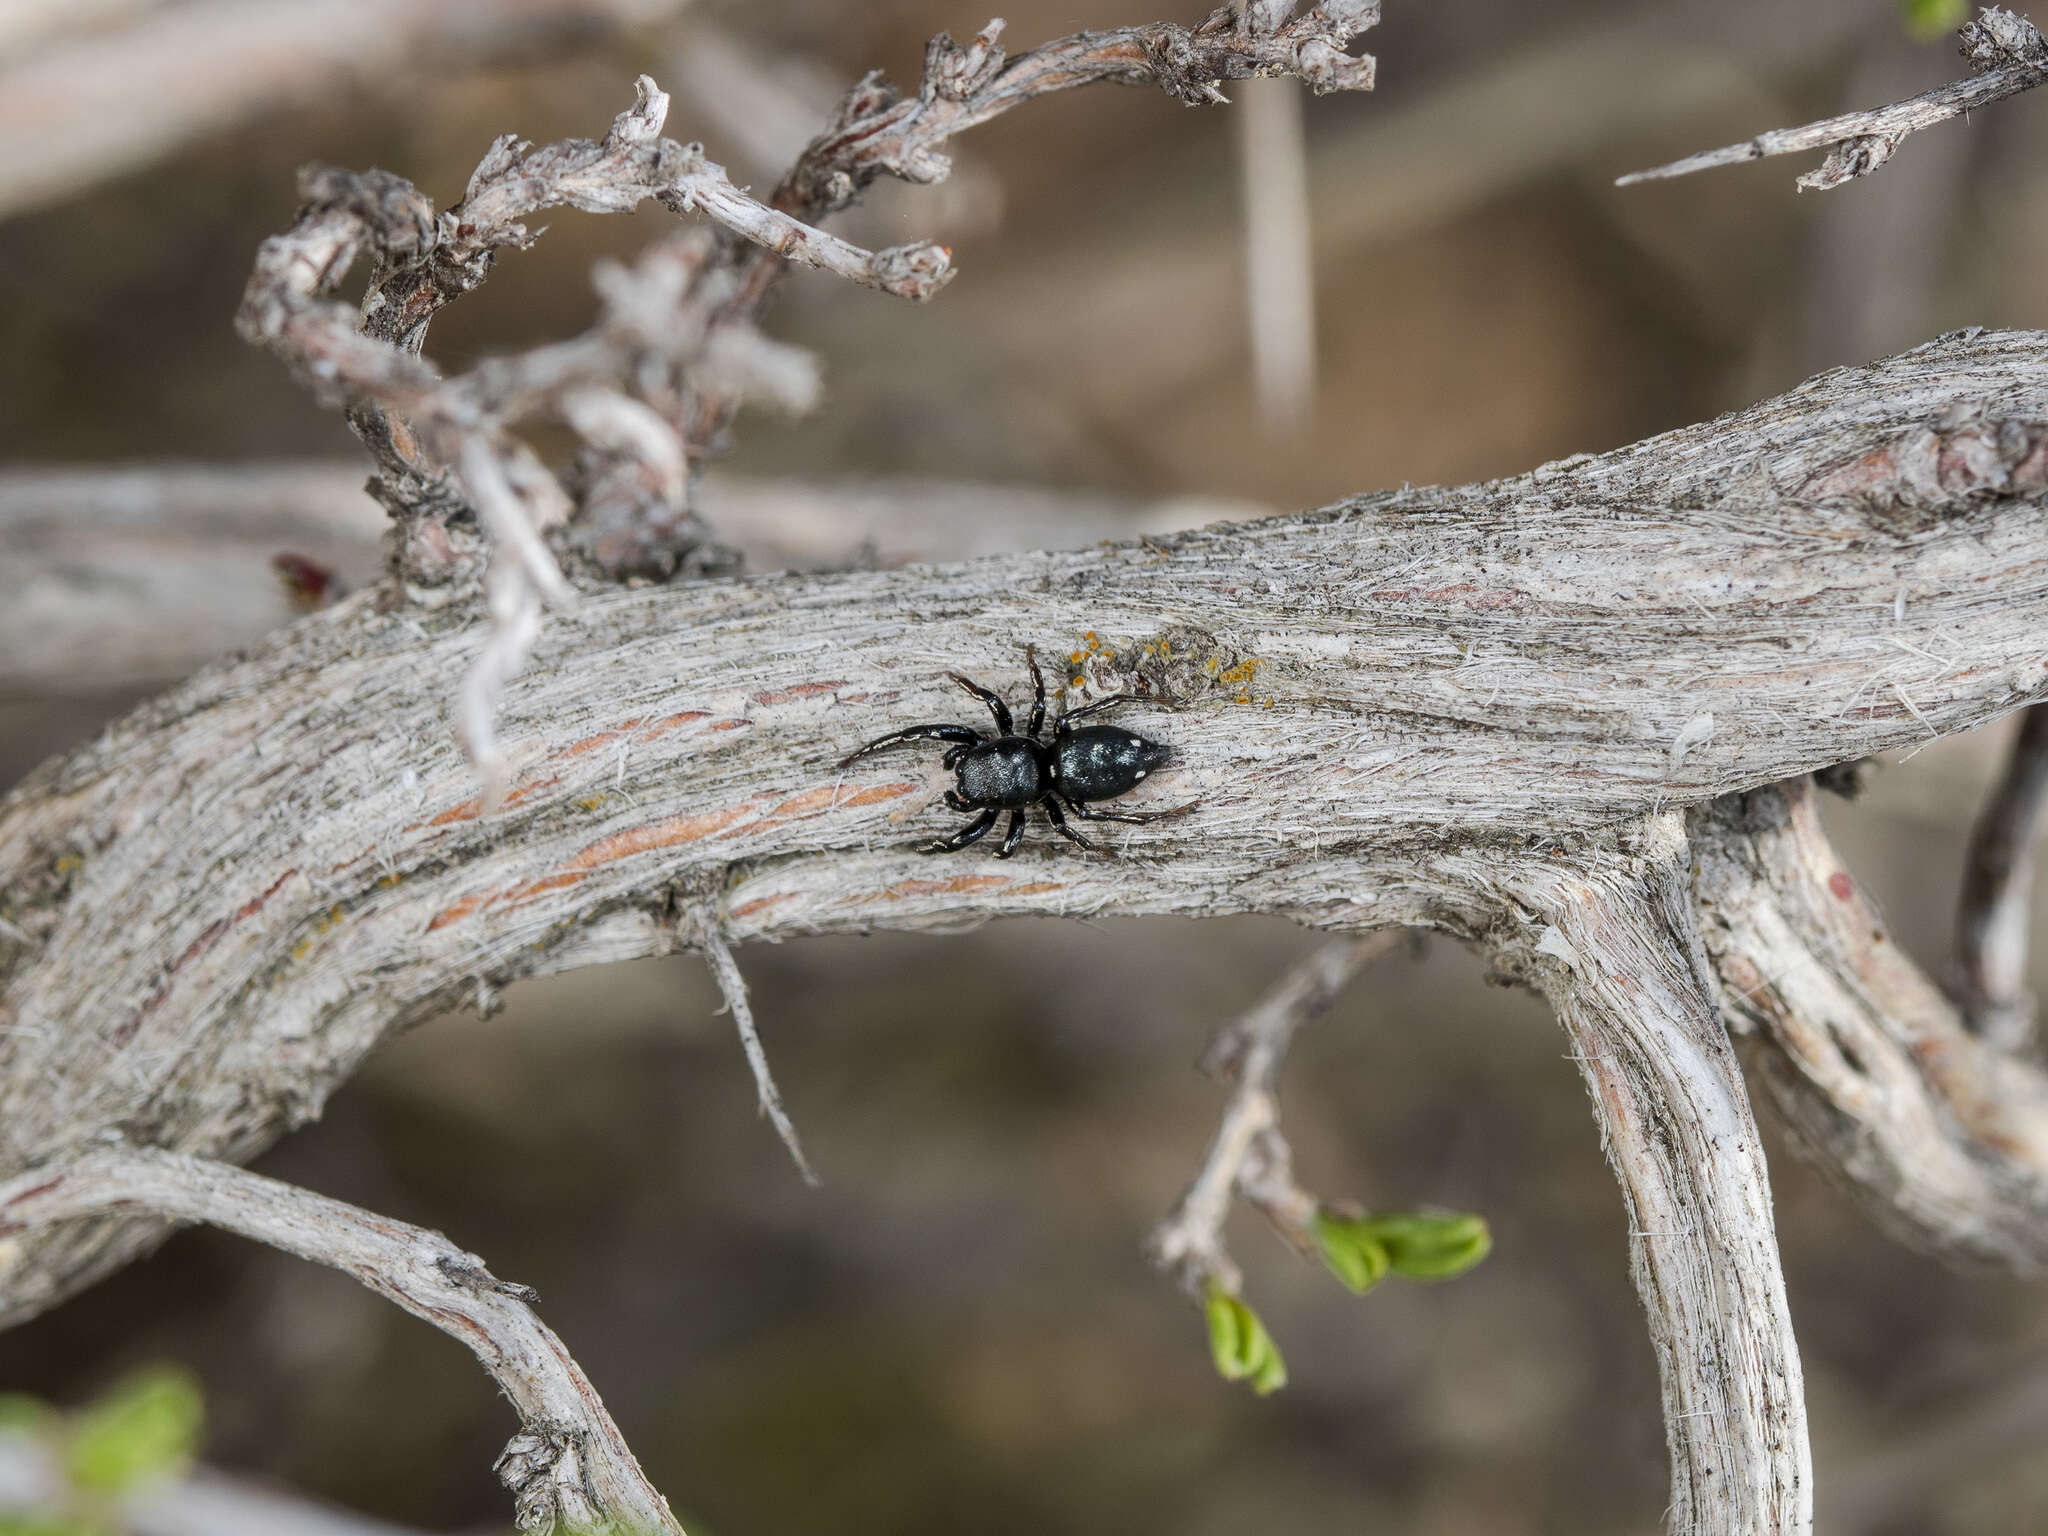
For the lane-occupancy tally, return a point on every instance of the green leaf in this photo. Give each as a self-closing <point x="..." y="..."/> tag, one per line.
<point x="1430" y="1245"/>
<point x="40" y="1525"/>
<point x="1354" y="1255"/>
<point x="147" y="1426"/>
<point x="1928" y="19"/>
<point x="1239" y="1343"/>
<point x="21" y="1414"/>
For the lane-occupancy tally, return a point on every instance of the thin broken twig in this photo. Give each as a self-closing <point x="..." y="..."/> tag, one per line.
<point x="710" y="937"/>
<point x="2007" y="52"/>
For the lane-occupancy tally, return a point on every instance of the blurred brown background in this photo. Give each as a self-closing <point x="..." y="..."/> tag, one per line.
<point x="959" y="1332"/>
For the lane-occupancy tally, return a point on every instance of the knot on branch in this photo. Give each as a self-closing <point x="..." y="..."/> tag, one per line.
<point x="393" y="213"/>
<point x="2000" y="39"/>
<point x="1851" y="158"/>
<point x="542" y="1468"/>
<point x="954" y="72"/>
<point x="1929" y="474"/>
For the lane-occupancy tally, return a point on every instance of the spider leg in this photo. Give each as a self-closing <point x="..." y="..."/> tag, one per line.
<point x="964" y="735"/>
<point x="1099" y="705"/>
<point x="1012" y="835"/>
<point x="974" y="830"/>
<point x="1135" y="818"/>
<point x="1037" y="693"/>
<point x="1059" y="825"/>
<point x="995" y="705"/>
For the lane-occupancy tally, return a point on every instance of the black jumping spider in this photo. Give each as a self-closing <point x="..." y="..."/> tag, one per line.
<point x="1009" y="772"/>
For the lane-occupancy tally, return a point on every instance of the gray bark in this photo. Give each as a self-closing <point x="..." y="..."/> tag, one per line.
<point x="1425" y="707"/>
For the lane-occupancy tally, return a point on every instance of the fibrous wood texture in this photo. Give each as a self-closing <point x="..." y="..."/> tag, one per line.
<point x="1615" y="946"/>
<point x="1415" y="708"/>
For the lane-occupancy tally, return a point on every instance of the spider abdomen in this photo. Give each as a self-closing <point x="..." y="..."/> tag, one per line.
<point x="1100" y="762"/>
<point x="1005" y="772"/>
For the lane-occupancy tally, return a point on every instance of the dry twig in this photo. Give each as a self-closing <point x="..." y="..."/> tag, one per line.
<point x="1279" y="241"/>
<point x="705" y="934"/>
<point x="879" y="132"/>
<point x="1990" y="979"/>
<point x="2007" y="52"/>
<point x="568" y="1465"/>
<point x="1249" y="1156"/>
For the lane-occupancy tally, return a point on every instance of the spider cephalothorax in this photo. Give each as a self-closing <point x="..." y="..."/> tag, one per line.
<point x="1011" y="772"/>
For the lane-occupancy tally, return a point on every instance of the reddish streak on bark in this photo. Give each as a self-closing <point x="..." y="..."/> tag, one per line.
<point x="728" y="725"/>
<point x="668" y="834"/>
<point x="673" y="722"/>
<point x="1840" y="883"/>
<point x="459" y="910"/>
<point x="760" y="904"/>
<point x="40" y="1189"/>
<point x="800" y="691"/>
<point x="602" y="738"/>
<point x="959" y="885"/>
<point x="540" y="887"/>
<point x="469" y="810"/>
<point x="831" y="797"/>
<point x="208" y="937"/>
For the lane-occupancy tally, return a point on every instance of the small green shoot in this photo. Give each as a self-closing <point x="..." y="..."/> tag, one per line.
<point x="1419" y="1245"/>
<point x="1239" y="1343"/>
<point x="147" y="1426"/>
<point x="1357" y="1258"/>
<point x="1927" y="20"/>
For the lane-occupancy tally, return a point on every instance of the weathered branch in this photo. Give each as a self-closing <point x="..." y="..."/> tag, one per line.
<point x="567" y="1467"/>
<point x="2007" y="52"/>
<point x="1998" y="879"/>
<point x="210" y="915"/>
<point x="1610" y="935"/>
<point x="1942" y="1138"/>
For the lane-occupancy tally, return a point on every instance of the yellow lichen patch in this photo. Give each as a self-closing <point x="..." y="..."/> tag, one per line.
<point x="389" y="880"/>
<point x="324" y="923"/>
<point x="1238" y="677"/>
<point x="592" y="802"/>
